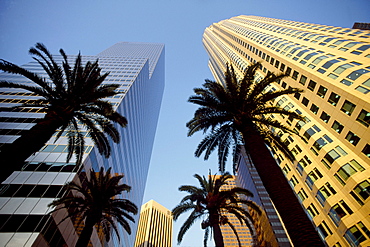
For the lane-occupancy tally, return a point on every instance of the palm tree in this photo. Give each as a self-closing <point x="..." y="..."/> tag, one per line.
<point x="214" y="203"/>
<point x="70" y="96"/>
<point x="96" y="202"/>
<point x="242" y="107"/>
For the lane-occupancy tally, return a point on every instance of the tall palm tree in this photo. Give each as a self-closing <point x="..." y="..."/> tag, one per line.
<point x="242" y="107"/>
<point x="69" y="96"/>
<point x="96" y="202"/>
<point x="213" y="203"/>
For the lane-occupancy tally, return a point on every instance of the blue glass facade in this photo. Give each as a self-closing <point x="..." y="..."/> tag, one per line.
<point x="269" y="228"/>
<point x="139" y="68"/>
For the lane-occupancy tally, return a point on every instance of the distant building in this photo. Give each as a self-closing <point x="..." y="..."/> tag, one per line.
<point x="155" y="226"/>
<point x="245" y="237"/>
<point x="363" y="26"/>
<point x="24" y="196"/>
<point x="331" y="177"/>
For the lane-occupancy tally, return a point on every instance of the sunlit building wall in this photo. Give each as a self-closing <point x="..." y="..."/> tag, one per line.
<point x="331" y="64"/>
<point x="24" y="196"/>
<point x="155" y="226"/>
<point x="245" y="236"/>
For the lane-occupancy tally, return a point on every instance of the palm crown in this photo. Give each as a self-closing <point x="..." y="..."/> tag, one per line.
<point x="97" y="201"/>
<point x="71" y="97"/>
<point x="238" y="106"/>
<point x="240" y="112"/>
<point x="213" y="202"/>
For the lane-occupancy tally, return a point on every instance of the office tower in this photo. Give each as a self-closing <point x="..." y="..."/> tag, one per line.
<point x="155" y="226"/>
<point x="245" y="237"/>
<point x="269" y="228"/>
<point x="24" y="196"/>
<point x="331" y="64"/>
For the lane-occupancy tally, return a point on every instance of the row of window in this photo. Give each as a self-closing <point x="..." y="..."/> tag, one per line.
<point x="349" y="79"/>
<point x="338" y="211"/>
<point x="301" y="25"/>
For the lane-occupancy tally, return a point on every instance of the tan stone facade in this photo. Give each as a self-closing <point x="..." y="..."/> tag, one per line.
<point x="155" y="226"/>
<point x="332" y="65"/>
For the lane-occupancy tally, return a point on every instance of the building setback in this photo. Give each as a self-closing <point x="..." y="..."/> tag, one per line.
<point x="331" y="64"/>
<point x="24" y="196"/>
<point x="155" y="226"/>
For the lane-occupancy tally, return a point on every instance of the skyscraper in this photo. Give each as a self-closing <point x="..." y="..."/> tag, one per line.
<point x="24" y="196"/>
<point x="270" y="230"/>
<point x="245" y="237"/>
<point x="155" y="226"/>
<point x="331" y="64"/>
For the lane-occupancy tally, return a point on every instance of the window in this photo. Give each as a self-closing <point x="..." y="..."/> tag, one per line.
<point x="299" y="125"/>
<point x="325" y="117"/>
<point x="324" y="230"/>
<point x="293" y="181"/>
<point x="364" y="118"/>
<point x="277" y="63"/>
<point x="305" y="101"/>
<point x="363" y="190"/>
<point x="342" y="68"/>
<point x="352" y="138"/>
<point x="318" y="144"/>
<point x="295" y="75"/>
<point x="349" y="169"/>
<point x="354" y="236"/>
<point x="311" y="178"/>
<point x="297" y="95"/>
<point x="346" y="82"/>
<point x="324" y="192"/>
<point x="286" y="170"/>
<point x="312" y="211"/>
<point x="303" y="78"/>
<point x="337" y="127"/>
<point x="282" y="67"/>
<point x="319" y="59"/>
<point x="309" y="133"/>
<point x="321" y="91"/>
<point x="338" y="211"/>
<point x="333" y="99"/>
<point x="311" y="85"/>
<point x="356" y="74"/>
<point x="288" y="71"/>
<point x="328" y="64"/>
<point x="314" y="108"/>
<point x="348" y="107"/>
<point x="330" y="157"/>
<point x="366" y="150"/>
<point x="302" y="195"/>
<point x="283" y="84"/>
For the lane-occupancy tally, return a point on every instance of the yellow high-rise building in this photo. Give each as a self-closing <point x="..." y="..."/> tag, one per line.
<point x="332" y="147"/>
<point x="155" y="226"/>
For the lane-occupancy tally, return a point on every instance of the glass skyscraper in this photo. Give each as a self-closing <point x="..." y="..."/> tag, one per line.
<point x="24" y="196"/>
<point x="331" y="177"/>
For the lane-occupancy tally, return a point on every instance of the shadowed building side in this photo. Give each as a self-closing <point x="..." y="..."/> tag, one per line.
<point x="24" y="221"/>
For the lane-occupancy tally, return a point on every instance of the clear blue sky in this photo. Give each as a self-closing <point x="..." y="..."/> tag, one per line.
<point x="91" y="26"/>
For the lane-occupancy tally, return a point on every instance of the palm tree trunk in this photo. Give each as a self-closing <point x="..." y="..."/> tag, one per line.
<point x="84" y="239"/>
<point x="217" y="236"/>
<point x="13" y="155"/>
<point x="299" y="227"/>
